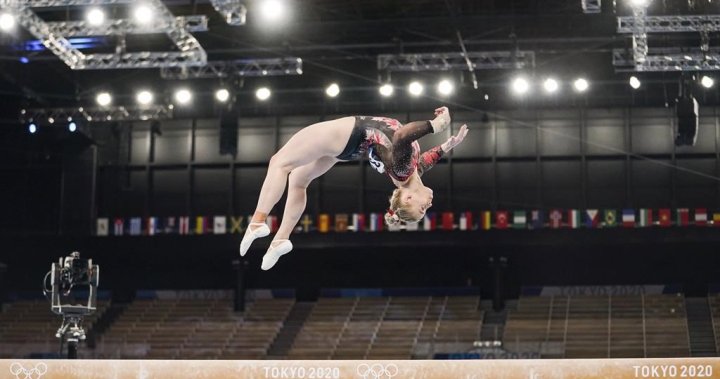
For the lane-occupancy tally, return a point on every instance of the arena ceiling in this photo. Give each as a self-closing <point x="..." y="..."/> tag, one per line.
<point x="340" y="41"/>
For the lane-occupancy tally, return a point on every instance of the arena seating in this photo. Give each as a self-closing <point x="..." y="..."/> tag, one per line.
<point x="601" y="326"/>
<point x="195" y="329"/>
<point x="29" y="326"/>
<point x="714" y="302"/>
<point x="384" y="327"/>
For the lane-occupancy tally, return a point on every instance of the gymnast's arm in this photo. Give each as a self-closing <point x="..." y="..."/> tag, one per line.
<point x="432" y="156"/>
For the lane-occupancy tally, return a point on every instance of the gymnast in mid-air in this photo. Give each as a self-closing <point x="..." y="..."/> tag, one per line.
<point x="392" y="149"/>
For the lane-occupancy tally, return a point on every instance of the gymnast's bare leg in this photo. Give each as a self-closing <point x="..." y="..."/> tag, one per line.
<point x="313" y="143"/>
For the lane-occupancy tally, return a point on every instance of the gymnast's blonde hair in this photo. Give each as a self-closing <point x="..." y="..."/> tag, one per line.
<point x="398" y="211"/>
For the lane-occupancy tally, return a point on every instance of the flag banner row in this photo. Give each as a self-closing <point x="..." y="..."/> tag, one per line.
<point x="374" y="222"/>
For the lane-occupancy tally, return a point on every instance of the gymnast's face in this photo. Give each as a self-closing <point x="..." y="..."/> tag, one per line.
<point x="419" y="201"/>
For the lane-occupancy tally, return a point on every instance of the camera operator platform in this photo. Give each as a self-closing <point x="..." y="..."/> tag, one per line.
<point x="68" y="279"/>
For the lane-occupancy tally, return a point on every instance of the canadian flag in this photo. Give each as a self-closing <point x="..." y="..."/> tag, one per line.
<point x="700" y="217"/>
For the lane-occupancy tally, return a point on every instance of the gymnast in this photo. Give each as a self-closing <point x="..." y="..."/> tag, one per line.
<point x="392" y="149"/>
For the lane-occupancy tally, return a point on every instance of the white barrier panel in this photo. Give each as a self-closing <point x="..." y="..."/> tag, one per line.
<point x="437" y="369"/>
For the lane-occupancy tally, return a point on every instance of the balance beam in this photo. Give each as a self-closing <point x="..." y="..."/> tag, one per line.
<point x="437" y="369"/>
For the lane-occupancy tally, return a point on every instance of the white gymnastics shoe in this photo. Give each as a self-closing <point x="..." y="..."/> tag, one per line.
<point x="274" y="253"/>
<point x="261" y="230"/>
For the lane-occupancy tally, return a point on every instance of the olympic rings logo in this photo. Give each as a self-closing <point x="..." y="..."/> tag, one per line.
<point x="20" y="372"/>
<point x="377" y="371"/>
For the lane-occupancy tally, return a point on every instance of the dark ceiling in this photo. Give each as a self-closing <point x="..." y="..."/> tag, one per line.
<point x="339" y="42"/>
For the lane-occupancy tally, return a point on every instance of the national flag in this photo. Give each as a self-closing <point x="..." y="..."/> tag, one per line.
<point x="628" y="218"/>
<point x="519" y="220"/>
<point x="170" y="225"/>
<point x="135" y="226"/>
<point x="220" y="225"/>
<point x="466" y="221"/>
<point x="324" y="223"/>
<point x="573" y="218"/>
<point x="485" y="220"/>
<point x="306" y="223"/>
<point x="683" y="217"/>
<point x="151" y="226"/>
<point x="701" y="217"/>
<point x="448" y="221"/>
<point x="118" y="226"/>
<point x="102" y="227"/>
<point x="341" y="223"/>
<point x="716" y="219"/>
<point x="184" y="225"/>
<point x="272" y="223"/>
<point x="201" y="225"/>
<point x="592" y="218"/>
<point x="537" y="219"/>
<point x="502" y="219"/>
<point x="430" y="221"/>
<point x="358" y="222"/>
<point x="555" y="218"/>
<point x="236" y="225"/>
<point x="646" y="217"/>
<point x="664" y="217"/>
<point x="376" y="222"/>
<point x="610" y="218"/>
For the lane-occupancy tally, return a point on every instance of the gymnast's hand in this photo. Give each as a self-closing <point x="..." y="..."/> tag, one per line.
<point x="455" y="140"/>
<point x="442" y="120"/>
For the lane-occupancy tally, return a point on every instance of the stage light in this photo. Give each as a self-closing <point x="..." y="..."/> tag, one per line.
<point x="7" y="22"/>
<point x="581" y="85"/>
<point x="144" y="97"/>
<point x="51" y="120"/>
<point x="222" y="95"/>
<point x="72" y="126"/>
<point x="183" y="96"/>
<point x="416" y="89"/>
<point x="103" y="99"/>
<point x="707" y="81"/>
<point x="95" y="16"/>
<point x="635" y="82"/>
<point x="520" y="86"/>
<point x="143" y="14"/>
<point x="272" y="10"/>
<point x="551" y="85"/>
<point x="332" y="90"/>
<point x="32" y="128"/>
<point x="386" y="90"/>
<point x="263" y="93"/>
<point x="639" y="3"/>
<point x="445" y="87"/>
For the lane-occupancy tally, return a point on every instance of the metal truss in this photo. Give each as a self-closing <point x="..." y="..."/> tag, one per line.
<point x="591" y="6"/>
<point x="124" y="26"/>
<point x="486" y="60"/>
<point x="234" y="11"/>
<point x="670" y="24"/>
<point x="672" y="59"/>
<point x="43" y="116"/>
<point x="189" y="53"/>
<point x="243" y="67"/>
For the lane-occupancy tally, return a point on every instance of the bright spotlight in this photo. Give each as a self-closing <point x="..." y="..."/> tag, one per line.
<point x="143" y="14"/>
<point x="445" y="87"/>
<point x="72" y="126"/>
<point x="95" y="16"/>
<point x="222" y="95"/>
<point x="332" y="90"/>
<point x="144" y="97"/>
<point x="183" y="96"/>
<point x="386" y="90"/>
<point x="32" y="128"/>
<point x="581" y="85"/>
<point x="263" y="93"/>
<point x="551" y="85"/>
<point x="103" y="99"/>
<point x="272" y="10"/>
<point x="51" y="120"/>
<point x="707" y="81"/>
<point x="639" y="3"/>
<point x="520" y="86"/>
<point x="416" y="89"/>
<point x="7" y="22"/>
<point x="634" y="82"/>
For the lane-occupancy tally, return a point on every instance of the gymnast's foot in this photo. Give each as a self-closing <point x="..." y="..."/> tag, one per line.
<point x="253" y="231"/>
<point x="277" y="249"/>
